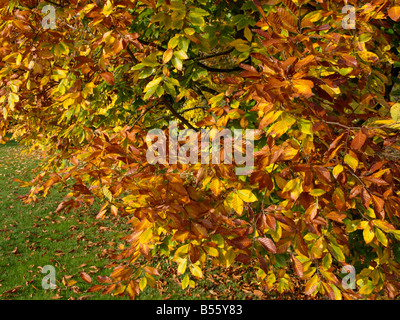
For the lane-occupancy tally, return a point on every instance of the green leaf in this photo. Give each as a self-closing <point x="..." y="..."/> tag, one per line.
<point x="317" y="192"/>
<point x="196" y="21"/>
<point x="147" y="72"/>
<point x="337" y="252"/>
<point x="327" y="261"/>
<point x="367" y="289"/>
<point x="198" y="12"/>
<point x="381" y="237"/>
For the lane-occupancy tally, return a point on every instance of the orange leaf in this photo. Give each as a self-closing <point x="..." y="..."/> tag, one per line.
<point x="95" y="288"/>
<point x="103" y="279"/>
<point x="85" y="277"/>
<point x="358" y="141"/>
<point x="108" y="77"/>
<point x="167" y="55"/>
<point x="394" y="13"/>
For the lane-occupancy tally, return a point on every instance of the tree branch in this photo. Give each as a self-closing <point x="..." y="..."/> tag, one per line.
<point x="211" y="69"/>
<point x="169" y="106"/>
<point x="213" y="55"/>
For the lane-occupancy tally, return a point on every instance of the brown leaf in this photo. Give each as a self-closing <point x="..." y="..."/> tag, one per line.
<point x="378" y="205"/>
<point x="241" y="242"/>
<point x="323" y="174"/>
<point x="271" y="221"/>
<point x="268" y="244"/>
<point x="355" y="191"/>
<point x="358" y="140"/>
<point x="258" y="293"/>
<point x="13" y="290"/>
<point x="297" y="266"/>
<point x="301" y="245"/>
<point x="311" y="212"/>
<point x="365" y="198"/>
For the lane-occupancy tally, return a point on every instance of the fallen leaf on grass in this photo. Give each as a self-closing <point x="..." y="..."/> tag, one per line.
<point x="85" y="277"/>
<point x="13" y="290"/>
<point x="85" y="297"/>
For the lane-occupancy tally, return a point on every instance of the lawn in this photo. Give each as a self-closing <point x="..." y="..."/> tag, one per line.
<point x="33" y="236"/>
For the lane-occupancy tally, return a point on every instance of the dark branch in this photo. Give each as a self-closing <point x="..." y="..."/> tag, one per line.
<point x="211" y="69"/>
<point x="213" y="55"/>
<point x="193" y="108"/>
<point x="131" y="55"/>
<point x="169" y="106"/>
<point x="223" y="69"/>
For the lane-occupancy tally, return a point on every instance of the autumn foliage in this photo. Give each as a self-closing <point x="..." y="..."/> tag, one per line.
<point x="325" y="189"/>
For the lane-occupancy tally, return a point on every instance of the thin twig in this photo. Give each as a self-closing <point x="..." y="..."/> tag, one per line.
<point x="142" y="115"/>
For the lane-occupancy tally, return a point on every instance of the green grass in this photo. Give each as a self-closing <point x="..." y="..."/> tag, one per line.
<point x="33" y="235"/>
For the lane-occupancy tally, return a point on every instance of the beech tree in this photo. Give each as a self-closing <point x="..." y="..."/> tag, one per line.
<point x="85" y="81"/>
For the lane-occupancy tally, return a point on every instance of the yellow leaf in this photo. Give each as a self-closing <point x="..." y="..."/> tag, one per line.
<point x="215" y="186"/>
<point x="352" y="162"/>
<point x="185" y="281"/>
<point x="311" y="285"/>
<point x="246" y="195"/>
<point x="182" y="266"/>
<point x="107" y="9"/>
<point x="368" y="56"/>
<point x="337" y="170"/>
<point x="368" y="234"/>
<point x="237" y="203"/>
<point x="196" y="271"/>
<point x="395" y="112"/>
<point x="143" y="283"/>
<point x="107" y="193"/>
<point x="303" y="87"/>
<point x="152" y="84"/>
